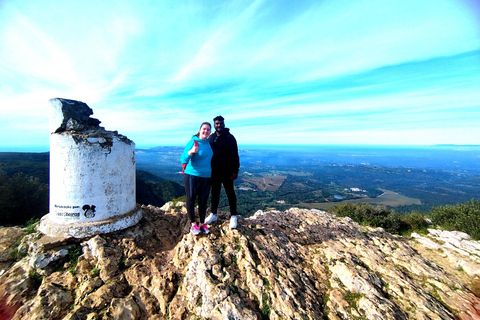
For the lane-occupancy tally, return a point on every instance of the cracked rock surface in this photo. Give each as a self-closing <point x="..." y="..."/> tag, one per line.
<point x="295" y="264"/>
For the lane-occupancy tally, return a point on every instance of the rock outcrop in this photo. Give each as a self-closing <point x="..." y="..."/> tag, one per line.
<point x="296" y="264"/>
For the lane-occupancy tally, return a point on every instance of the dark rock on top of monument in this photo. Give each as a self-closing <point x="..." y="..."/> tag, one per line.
<point x="76" y="116"/>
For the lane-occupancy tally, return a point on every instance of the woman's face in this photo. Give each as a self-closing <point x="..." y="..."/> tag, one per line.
<point x="204" y="132"/>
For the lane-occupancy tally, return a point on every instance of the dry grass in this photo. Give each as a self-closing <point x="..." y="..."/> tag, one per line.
<point x="388" y="198"/>
<point x="267" y="182"/>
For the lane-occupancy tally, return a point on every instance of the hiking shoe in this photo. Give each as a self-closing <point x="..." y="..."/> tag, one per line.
<point x="211" y="218"/>
<point x="233" y="222"/>
<point x="195" y="230"/>
<point x="204" y="229"/>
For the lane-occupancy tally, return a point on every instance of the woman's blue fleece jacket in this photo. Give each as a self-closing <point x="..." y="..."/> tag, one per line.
<point x="199" y="164"/>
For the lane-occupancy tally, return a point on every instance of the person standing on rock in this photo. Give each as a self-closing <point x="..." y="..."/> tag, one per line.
<point x="225" y="166"/>
<point x="196" y="162"/>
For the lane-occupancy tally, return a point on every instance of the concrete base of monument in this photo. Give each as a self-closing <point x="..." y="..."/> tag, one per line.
<point x="88" y="229"/>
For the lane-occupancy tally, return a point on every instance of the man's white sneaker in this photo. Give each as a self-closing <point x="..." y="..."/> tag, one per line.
<point x="211" y="218"/>
<point x="233" y="222"/>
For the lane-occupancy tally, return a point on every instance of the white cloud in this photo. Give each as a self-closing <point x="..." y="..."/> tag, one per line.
<point x="155" y="70"/>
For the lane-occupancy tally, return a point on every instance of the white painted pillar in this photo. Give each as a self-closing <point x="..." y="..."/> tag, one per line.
<point x="92" y="175"/>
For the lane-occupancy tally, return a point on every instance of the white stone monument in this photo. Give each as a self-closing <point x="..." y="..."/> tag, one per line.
<point x="92" y="175"/>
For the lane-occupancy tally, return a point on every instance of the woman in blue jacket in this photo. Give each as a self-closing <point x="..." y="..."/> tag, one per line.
<point x="196" y="162"/>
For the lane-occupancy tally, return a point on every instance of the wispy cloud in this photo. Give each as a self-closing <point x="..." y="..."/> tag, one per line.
<point x="364" y="72"/>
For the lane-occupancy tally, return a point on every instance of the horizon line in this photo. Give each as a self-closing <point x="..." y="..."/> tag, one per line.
<point x="44" y="149"/>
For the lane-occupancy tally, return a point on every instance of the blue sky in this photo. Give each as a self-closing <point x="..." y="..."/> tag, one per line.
<point x="399" y="72"/>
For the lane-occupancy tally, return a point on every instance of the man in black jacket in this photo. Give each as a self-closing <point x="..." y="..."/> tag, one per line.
<point x="225" y="166"/>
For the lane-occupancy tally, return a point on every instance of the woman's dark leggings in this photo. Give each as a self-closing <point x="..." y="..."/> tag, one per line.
<point x="196" y="187"/>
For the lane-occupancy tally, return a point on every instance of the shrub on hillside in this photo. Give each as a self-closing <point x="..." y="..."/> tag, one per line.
<point x="463" y="217"/>
<point x="416" y="222"/>
<point x="21" y="199"/>
<point x="155" y="190"/>
<point x="375" y="216"/>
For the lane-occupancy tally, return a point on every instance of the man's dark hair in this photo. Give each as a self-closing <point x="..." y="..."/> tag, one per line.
<point x="218" y="118"/>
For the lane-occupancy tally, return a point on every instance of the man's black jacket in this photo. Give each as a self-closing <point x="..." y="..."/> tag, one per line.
<point x="225" y="160"/>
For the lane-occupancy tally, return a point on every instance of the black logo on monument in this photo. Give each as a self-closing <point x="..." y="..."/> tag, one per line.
<point x="89" y="211"/>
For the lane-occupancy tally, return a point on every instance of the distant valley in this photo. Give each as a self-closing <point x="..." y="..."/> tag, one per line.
<point x="281" y="177"/>
<point x="405" y="178"/>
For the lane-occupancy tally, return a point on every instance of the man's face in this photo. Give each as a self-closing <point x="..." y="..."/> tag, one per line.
<point x="219" y="126"/>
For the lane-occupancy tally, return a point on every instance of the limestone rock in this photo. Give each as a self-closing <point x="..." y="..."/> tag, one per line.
<point x="8" y="246"/>
<point x="50" y="303"/>
<point x="123" y="309"/>
<point x="461" y="251"/>
<point x="296" y="264"/>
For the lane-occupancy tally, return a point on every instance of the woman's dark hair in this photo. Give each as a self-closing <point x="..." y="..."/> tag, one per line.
<point x="198" y="133"/>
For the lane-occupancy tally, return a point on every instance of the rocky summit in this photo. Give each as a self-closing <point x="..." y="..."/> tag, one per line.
<point x="296" y="264"/>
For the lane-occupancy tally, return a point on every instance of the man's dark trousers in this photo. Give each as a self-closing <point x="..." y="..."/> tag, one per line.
<point x="216" y="183"/>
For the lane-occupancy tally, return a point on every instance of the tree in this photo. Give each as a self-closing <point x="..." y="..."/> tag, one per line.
<point x="463" y="217"/>
<point x="21" y="199"/>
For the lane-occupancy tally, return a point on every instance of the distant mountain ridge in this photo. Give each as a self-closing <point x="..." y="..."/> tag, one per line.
<point x="458" y="145"/>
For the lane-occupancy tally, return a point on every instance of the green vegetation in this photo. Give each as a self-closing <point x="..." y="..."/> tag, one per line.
<point x="155" y="190"/>
<point x="265" y="310"/>
<point x="21" y="198"/>
<point x="31" y="224"/>
<point x="375" y="216"/>
<point x="463" y="217"/>
<point x="14" y="253"/>
<point x="352" y="298"/>
<point x="266" y="283"/>
<point x="35" y="278"/>
<point x="72" y="256"/>
<point x="416" y="222"/>
<point x="31" y="164"/>
<point x="95" y="272"/>
<point x="179" y="199"/>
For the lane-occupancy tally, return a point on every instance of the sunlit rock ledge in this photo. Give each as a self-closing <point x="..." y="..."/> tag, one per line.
<point x="294" y="264"/>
